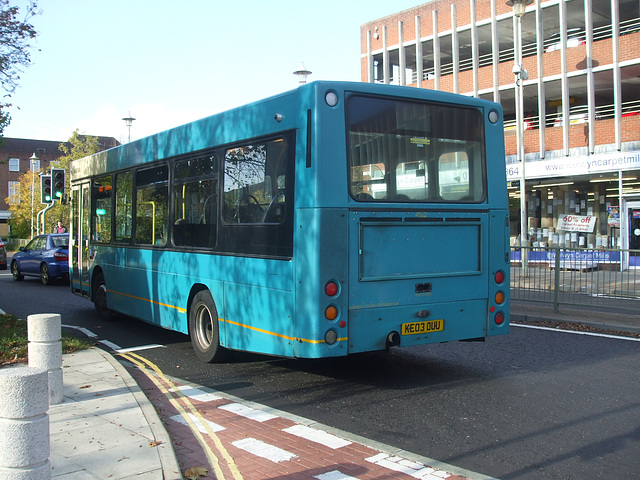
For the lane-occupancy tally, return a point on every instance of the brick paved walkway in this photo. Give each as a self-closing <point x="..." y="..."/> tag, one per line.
<point x="240" y="440"/>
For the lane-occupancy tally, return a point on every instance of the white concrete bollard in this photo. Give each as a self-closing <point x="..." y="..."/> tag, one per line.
<point x="24" y="424"/>
<point x="45" y="350"/>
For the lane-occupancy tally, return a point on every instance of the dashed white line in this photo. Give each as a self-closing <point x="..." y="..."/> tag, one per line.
<point x="402" y="465"/>
<point x="248" y="412"/>
<point x="317" y="436"/>
<point x="140" y="347"/>
<point x="334" y="475"/>
<point x="214" y="426"/>
<point x="263" y="450"/>
<point x="198" y="394"/>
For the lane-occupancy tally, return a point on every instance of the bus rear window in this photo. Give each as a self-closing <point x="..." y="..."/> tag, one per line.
<point x="403" y="151"/>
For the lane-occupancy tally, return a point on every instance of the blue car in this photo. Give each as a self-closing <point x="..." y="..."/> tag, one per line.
<point x="46" y="256"/>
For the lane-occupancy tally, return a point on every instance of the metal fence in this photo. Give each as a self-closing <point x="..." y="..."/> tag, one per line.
<point x="577" y="276"/>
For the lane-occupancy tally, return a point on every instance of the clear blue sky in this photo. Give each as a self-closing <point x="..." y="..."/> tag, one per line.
<point x="171" y="62"/>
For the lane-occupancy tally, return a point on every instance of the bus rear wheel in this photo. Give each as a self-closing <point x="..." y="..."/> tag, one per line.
<point x="100" y="297"/>
<point x="203" y="328"/>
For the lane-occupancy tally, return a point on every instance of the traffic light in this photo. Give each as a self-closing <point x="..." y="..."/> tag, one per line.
<point x="45" y="189"/>
<point x="57" y="181"/>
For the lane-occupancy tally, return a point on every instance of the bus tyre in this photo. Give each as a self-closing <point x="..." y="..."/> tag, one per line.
<point x="100" y="297"/>
<point x="203" y="328"/>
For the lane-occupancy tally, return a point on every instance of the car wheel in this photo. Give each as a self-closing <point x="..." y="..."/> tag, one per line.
<point x="203" y="328"/>
<point x="100" y="297"/>
<point x="44" y="274"/>
<point x="15" y="271"/>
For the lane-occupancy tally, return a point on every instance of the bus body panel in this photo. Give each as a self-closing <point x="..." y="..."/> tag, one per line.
<point x="369" y="328"/>
<point x="321" y="253"/>
<point x="155" y="286"/>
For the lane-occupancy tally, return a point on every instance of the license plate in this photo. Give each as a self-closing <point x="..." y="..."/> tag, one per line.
<point x="428" y="326"/>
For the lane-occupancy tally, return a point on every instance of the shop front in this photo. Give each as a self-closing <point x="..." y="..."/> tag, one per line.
<point x="587" y="202"/>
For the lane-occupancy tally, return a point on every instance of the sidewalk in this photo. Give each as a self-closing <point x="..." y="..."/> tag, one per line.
<point x="127" y="420"/>
<point x="526" y="311"/>
<point x="106" y="428"/>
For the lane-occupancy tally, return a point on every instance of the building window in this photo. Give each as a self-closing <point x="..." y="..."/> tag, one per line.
<point x="14" y="164"/>
<point x="14" y="193"/>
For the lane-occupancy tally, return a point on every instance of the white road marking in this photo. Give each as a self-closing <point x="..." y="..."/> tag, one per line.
<point x="248" y="412"/>
<point x="198" y="394"/>
<point x="334" y="475"/>
<point x="317" y="436"/>
<point x="591" y="334"/>
<point x="214" y="426"/>
<point x="263" y="450"/>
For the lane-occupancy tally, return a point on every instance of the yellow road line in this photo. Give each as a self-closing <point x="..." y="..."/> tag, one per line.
<point x="142" y="363"/>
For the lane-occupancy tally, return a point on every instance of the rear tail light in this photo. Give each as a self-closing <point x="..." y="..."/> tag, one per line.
<point x="499" y="318"/>
<point x="331" y="289"/>
<point x="61" y="257"/>
<point x="499" y="277"/>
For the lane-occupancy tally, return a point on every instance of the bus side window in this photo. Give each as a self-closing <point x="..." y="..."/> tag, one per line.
<point x="102" y="206"/>
<point x="255" y="182"/>
<point x="152" y="206"/>
<point x="124" y="207"/>
<point x="196" y="202"/>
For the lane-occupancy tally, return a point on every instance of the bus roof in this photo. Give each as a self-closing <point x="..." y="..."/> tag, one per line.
<point x="277" y="113"/>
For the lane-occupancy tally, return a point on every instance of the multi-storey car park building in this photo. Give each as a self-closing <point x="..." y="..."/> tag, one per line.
<point x="581" y="101"/>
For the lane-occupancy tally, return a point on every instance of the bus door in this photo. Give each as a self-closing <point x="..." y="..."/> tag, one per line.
<point x="81" y="200"/>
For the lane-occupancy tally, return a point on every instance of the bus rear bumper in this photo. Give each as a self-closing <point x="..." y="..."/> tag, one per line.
<point x="378" y="328"/>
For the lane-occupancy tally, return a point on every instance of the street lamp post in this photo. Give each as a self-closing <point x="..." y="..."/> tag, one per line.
<point x="128" y="121"/>
<point x="33" y="162"/>
<point x="302" y="73"/>
<point x="519" y="8"/>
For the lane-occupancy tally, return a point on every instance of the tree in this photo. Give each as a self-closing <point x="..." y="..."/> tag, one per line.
<point x="16" y="33"/>
<point x="78" y="146"/>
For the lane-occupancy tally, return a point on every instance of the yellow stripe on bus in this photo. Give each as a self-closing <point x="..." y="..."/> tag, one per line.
<point x="231" y="322"/>
<point x="180" y="309"/>
<point x="279" y="335"/>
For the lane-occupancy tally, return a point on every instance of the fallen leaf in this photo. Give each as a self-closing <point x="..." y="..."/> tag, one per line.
<point x="195" y="473"/>
<point x="85" y="386"/>
<point x="155" y="443"/>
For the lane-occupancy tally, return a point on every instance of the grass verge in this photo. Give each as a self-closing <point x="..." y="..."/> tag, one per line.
<point x="13" y="341"/>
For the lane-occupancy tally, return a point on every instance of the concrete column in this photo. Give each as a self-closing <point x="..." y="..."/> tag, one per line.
<point x="45" y="350"/>
<point x="24" y="424"/>
<point x="436" y="51"/>
<point x="419" y="60"/>
<point x="455" y="48"/>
